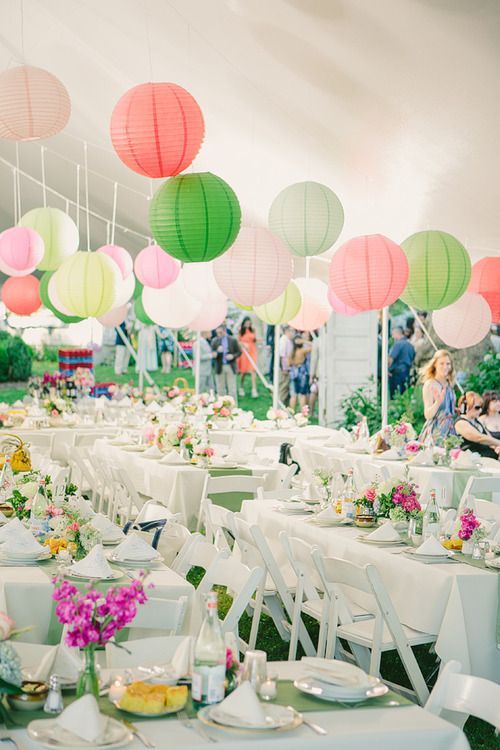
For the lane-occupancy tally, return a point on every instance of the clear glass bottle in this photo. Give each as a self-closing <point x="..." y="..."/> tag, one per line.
<point x="432" y="519"/>
<point x="6" y="480"/>
<point x="209" y="669"/>
<point x="346" y="503"/>
<point x="39" y="523"/>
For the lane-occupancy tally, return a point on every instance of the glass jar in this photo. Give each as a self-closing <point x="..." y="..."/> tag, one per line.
<point x="88" y="678"/>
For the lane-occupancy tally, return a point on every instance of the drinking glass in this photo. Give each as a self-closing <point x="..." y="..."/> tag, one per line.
<point x="255" y="668"/>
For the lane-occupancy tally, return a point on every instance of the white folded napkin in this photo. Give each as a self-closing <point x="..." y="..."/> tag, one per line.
<point x="181" y="660"/>
<point x="337" y="439"/>
<point x="423" y="458"/>
<point x="153" y="452"/>
<point x="391" y="454"/>
<point x="153" y="407"/>
<point x="14" y="528"/>
<point x="361" y="445"/>
<point x="83" y="719"/>
<point x="134" y="547"/>
<point x="431" y="546"/>
<point x="334" y="672"/>
<point x="123" y="439"/>
<point x="465" y="460"/>
<point x="67" y="663"/>
<point x="384" y="533"/>
<point x="448" y="520"/>
<point x="243" y="704"/>
<point x="108" y="529"/>
<point x="294" y="505"/>
<point x="24" y="544"/>
<point x="173" y="458"/>
<point x="329" y="514"/>
<point x="94" y="565"/>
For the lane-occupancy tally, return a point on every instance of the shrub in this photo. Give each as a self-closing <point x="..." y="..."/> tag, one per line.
<point x="486" y="376"/>
<point x="4" y="363"/>
<point x="363" y="402"/>
<point x="20" y="358"/>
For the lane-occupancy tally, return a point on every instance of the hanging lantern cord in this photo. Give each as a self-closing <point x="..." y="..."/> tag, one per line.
<point x="113" y="221"/>
<point x="44" y="187"/>
<point x="86" y="168"/>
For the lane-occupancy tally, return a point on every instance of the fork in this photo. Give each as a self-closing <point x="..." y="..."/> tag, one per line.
<point x="140" y="736"/>
<point x="11" y="739"/>
<point x="315" y="727"/>
<point x="195" y="726"/>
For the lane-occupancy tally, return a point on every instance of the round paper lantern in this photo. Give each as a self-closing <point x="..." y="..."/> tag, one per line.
<point x="249" y="308"/>
<point x="485" y="280"/>
<point x="21" y="295"/>
<point x="33" y="104"/>
<point x="137" y="289"/>
<point x="124" y="290"/>
<point x="338" y="306"/>
<point x="114" y="317"/>
<point x="308" y="217"/>
<point x="172" y="307"/>
<point x="87" y="284"/>
<point x="120" y="256"/>
<point x="157" y="129"/>
<point x="368" y="272"/>
<point x="465" y="322"/>
<point x="58" y="232"/>
<point x="281" y="309"/>
<point x="315" y="309"/>
<point x="47" y="294"/>
<point x="200" y="282"/>
<point x="155" y="268"/>
<point x="256" y="269"/>
<point x="440" y="270"/>
<point x="195" y="217"/>
<point x="21" y="250"/>
<point x="209" y="317"/>
<point x="140" y="313"/>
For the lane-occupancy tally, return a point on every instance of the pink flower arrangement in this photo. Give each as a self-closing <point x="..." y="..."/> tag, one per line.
<point x="52" y="511"/>
<point x="454" y="453"/>
<point x="224" y="412"/>
<point x="405" y="496"/>
<point x="468" y="524"/>
<point x="401" y="428"/>
<point x="204" y="450"/>
<point x="370" y="494"/>
<point x="73" y="526"/>
<point x="305" y="410"/>
<point x="367" y="497"/>
<point x="173" y="392"/>
<point x="413" y="447"/>
<point x="94" y="617"/>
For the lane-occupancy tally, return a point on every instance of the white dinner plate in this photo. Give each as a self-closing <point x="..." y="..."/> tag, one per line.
<point x="357" y="450"/>
<point x="277" y="718"/>
<point x="334" y="693"/>
<point x="495" y="564"/>
<point x="68" y="573"/>
<point x="331" y="522"/>
<point x="133" y="563"/>
<point x="48" y="734"/>
<point x="13" y="560"/>
<point x="112" y="542"/>
<point x="134" y="448"/>
<point x="222" y="465"/>
<point x="412" y="553"/>
<point x="167" y="710"/>
<point x="287" y="511"/>
<point x="379" y="543"/>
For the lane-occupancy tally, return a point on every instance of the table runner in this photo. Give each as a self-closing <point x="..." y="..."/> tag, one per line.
<point x="230" y="500"/>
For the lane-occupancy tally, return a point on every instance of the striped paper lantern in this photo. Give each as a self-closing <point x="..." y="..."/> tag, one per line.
<point x="58" y="232"/>
<point x="121" y="257"/>
<point x="464" y="323"/>
<point x="87" y="283"/>
<point x="21" y="250"/>
<point x="281" y="309"/>
<point x="485" y="280"/>
<point x="156" y="268"/>
<point x="315" y="309"/>
<point x="46" y="295"/>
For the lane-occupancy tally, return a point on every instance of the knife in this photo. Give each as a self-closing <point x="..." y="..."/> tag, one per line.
<point x="140" y="736"/>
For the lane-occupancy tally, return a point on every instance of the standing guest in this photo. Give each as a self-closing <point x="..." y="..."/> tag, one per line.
<point x="248" y="343"/>
<point x="270" y="351"/>
<point x="438" y="377"/>
<point x="299" y="372"/>
<point x="147" y="352"/>
<point x="490" y="414"/>
<point x="225" y="352"/>
<point x="401" y="358"/>
<point x="122" y="354"/>
<point x="314" y="372"/>
<point x="476" y="437"/>
<point x="206" y="370"/>
<point x="166" y="346"/>
<point x="286" y="349"/>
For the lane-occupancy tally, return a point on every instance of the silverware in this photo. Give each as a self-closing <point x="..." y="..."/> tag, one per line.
<point x="140" y="736"/>
<point x="315" y="727"/>
<point x="195" y="726"/>
<point x="17" y="745"/>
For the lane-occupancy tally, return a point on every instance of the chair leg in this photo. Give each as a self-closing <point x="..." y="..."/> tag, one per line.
<point x="257" y="610"/>
<point x="297" y="609"/>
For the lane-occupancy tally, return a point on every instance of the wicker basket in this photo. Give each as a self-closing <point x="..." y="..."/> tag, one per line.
<point x="13" y="446"/>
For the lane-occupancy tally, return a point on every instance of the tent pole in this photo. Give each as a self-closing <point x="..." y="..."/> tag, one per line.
<point x="276" y="372"/>
<point x="385" y="366"/>
<point x="197" y="363"/>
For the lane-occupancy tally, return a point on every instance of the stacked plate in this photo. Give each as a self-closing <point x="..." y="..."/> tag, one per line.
<point x="47" y="733"/>
<point x="23" y="558"/>
<point x="294" y="509"/>
<point x="338" y="681"/>
<point x="379" y="542"/>
<point x="277" y="718"/>
<point x="429" y="559"/>
<point x="135" y="563"/>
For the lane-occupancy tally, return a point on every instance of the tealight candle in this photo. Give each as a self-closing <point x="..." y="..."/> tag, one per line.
<point x="268" y="690"/>
<point x="117" y="690"/>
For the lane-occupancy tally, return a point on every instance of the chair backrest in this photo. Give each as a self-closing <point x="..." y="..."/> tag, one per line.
<point x="486" y="510"/>
<point x="299" y="554"/>
<point x="232" y="483"/>
<point x="153" y="511"/>
<point x="280" y="494"/>
<point x="173" y="538"/>
<point x="144" y="652"/>
<point x="480" y="486"/>
<point x="372" y="472"/>
<point x="161" y="614"/>
<point x="219" y="523"/>
<point x="197" y="552"/>
<point x="87" y="439"/>
<point x="43" y="440"/>
<point x="319" y="460"/>
<point x="457" y="696"/>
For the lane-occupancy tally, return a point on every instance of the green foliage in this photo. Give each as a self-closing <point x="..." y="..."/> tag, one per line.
<point x="20" y="358"/>
<point x="486" y="376"/>
<point x="18" y="502"/>
<point x="47" y="354"/>
<point x="410" y="404"/>
<point x="4" y="363"/>
<point x="362" y="402"/>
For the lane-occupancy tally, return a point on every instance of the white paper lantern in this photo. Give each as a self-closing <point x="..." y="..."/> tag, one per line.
<point x="172" y="307"/>
<point x="315" y="309"/>
<point x="124" y="290"/>
<point x="210" y="316"/>
<point x="200" y="282"/>
<point x="464" y="323"/>
<point x="114" y="317"/>
<point x="255" y="269"/>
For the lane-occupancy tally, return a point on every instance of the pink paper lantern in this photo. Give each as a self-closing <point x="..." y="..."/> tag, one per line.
<point x="33" y="104"/>
<point x="256" y="269"/>
<point x="113" y="317"/>
<point x="340" y="307"/>
<point x="369" y="272"/>
<point x="485" y="280"/>
<point x="121" y="257"/>
<point x="315" y="309"/>
<point x="209" y="317"/>
<point x="155" y="268"/>
<point x="21" y="250"/>
<point x="21" y="295"/>
<point x="464" y="323"/>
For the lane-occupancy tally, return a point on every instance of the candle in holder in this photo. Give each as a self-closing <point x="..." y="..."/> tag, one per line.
<point x="117" y="690"/>
<point x="268" y="689"/>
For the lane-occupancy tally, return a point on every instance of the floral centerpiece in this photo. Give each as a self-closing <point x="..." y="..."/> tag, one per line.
<point x="397" y="500"/>
<point x="56" y="407"/>
<point x="278" y="416"/>
<point x="202" y="453"/>
<point x="232" y="670"/>
<point x="83" y="378"/>
<point x="173" y="435"/>
<point x="400" y="433"/>
<point x="412" y="447"/>
<point x="93" y="619"/>
<point x="71" y="528"/>
<point x="222" y="408"/>
<point x="448" y="451"/>
<point x="172" y="392"/>
<point x="302" y="417"/>
<point x="25" y="488"/>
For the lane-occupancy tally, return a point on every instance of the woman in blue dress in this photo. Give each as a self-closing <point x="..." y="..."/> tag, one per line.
<point x="438" y="377"/>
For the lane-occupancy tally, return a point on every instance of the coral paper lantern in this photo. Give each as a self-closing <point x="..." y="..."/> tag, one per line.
<point x="172" y="307"/>
<point x="338" y="306"/>
<point x="209" y="317"/>
<point x="114" y="317"/>
<point x="87" y="283"/>
<point x="195" y="217"/>
<point x="47" y="294"/>
<point x="155" y="268"/>
<point x="315" y="310"/>
<point x="157" y="129"/>
<point x="485" y="280"/>
<point x="440" y="270"/>
<point x="21" y="250"/>
<point x="120" y="256"/>
<point x="33" y="104"/>
<point x="58" y="231"/>
<point x="281" y="309"/>
<point x="368" y="272"/>
<point x="464" y="323"/>
<point x="308" y="217"/>
<point x="256" y="269"/>
<point x="21" y="295"/>
<point x="200" y="282"/>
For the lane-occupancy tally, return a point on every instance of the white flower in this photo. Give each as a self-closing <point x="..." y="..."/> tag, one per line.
<point x="6" y="626"/>
<point x="28" y="489"/>
<point x="271" y="414"/>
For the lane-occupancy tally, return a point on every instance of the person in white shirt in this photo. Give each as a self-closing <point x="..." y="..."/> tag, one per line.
<point x="285" y="349"/>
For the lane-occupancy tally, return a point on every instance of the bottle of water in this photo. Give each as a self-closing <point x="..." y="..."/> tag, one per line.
<point x="209" y="669"/>
<point x="6" y="480"/>
<point x="39" y="523"/>
<point x="432" y="521"/>
<point x="348" y="497"/>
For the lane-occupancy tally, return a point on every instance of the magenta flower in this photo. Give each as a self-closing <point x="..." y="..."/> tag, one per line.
<point x="413" y="446"/>
<point x="401" y="428"/>
<point x="469" y="524"/>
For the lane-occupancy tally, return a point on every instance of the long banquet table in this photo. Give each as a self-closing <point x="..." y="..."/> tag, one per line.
<point x="456" y="602"/>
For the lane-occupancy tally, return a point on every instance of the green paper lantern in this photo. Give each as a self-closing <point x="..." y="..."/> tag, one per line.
<point x="140" y="312"/>
<point x="87" y="284"/>
<point x="308" y="217"/>
<point x="283" y="308"/>
<point x="58" y="231"/>
<point x="440" y="270"/>
<point x="195" y="217"/>
<point x="44" y="296"/>
<point x="137" y="288"/>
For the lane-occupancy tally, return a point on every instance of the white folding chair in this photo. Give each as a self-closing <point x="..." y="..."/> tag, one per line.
<point x="131" y="501"/>
<point x="480" y="486"/>
<point x="83" y="475"/>
<point x="373" y="472"/>
<point x="383" y="632"/>
<point x="457" y="696"/>
<point x="240" y="582"/>
<point x="280" y="494"/>
<point x="197" y="552"/>
<point x="144" y="652"/>
<point x="219" y="524"/>
<point x="286" y="481"/>
<point x="43" y="442"/>
<point x="214" y="486"/>
<point x="486" y="510"/>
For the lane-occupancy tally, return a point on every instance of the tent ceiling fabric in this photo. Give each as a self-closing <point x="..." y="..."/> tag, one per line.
<point x="391" y="103"/>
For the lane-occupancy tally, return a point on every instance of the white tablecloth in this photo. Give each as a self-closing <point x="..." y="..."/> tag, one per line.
<point x="454" y="601"/>
<point x="64" y="437"/>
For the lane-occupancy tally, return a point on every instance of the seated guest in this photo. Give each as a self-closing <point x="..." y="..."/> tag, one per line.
<point x="490" y="414"/>
<point x="476" y="437"/>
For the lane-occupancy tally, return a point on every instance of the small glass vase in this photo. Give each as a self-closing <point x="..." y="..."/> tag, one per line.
<point x="88" y="678"/>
